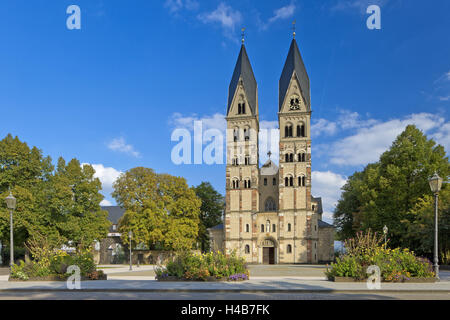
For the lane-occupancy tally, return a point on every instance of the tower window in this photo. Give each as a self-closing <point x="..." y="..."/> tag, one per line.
<point x="243" y="108"/>
<point x="247" y="160"/>
<point x="291" y="181"/>
<point x="301" y="130"/>
<point x="288" y="131"/>
<point x="289" y="227"/>
<point x="247" y="183"/>
<point x="289" y="248"/>
<point x="274" y="228"/>
<point x="274" y="182"/>
<point x="235" y="184"/>
<point x="302" y="157"/>
<point x="265" y="181"/>
<point x="289" y="157"/>
<point x="270" y="205"/>
<point x="301" y="181"/>
<point x="246" y="134"/>
<point x="247" y="228"/>
<point x="235" y="134"/>
<point x="247" y="249"/>
<point x="262" y="228"/>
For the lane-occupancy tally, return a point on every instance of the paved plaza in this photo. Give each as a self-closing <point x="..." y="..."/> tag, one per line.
<point x="295" y="282"/>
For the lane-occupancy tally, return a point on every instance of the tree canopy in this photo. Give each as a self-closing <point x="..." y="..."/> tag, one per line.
<point x="62" y="204"/>
<point x="161" y="210"/>
<point x="210" y="211"/>
<point x="393" y="191"/>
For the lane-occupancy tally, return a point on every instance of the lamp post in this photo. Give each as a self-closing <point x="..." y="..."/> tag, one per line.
<point x="11" y="204"/>
<point x="385" y="231"/>
<point x="130" y="235"/>
<point x="435" y="186"/>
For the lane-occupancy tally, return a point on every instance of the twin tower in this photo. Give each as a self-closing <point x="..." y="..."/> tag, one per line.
<point x="270" y="215"/>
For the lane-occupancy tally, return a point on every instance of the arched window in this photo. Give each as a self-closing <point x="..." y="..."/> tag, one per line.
<point x="247" y="183"/>
<point x="289" y="227"/>
<point x="289" y="157"/>
<point x="301" y="130"/>
<point x="288" y="181"/>
<point x="289" y="248"/>
<point x="274" y="182"/>
<point x="235" y="134"/>
<point x="288" y="131"/>
<point x="246" y="134"/>
<point x="239" y="108"/>
<point x="262" y="228"/>
<point x="247" y="249"/>
<point x="270" y="205"/>
<point x="302" y="157"/>
<point x="247" y="160"/>
<point x="301" y="181"/>
<point x="274" y="228"/>
<point x="247" y="228"/>
<point x="265" y="181"/>
<point x="235" y="184"/>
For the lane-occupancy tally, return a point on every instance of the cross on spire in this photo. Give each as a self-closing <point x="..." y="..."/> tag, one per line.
<point x="269" y="154"/>
<point x="293" y="29"/>
<point x="243" y="35"/>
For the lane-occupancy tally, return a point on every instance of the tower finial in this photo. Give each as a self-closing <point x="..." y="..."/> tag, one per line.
<point x="269" y="154"/>
<point x="243" y="35"/>
<point x="293" y="29"/>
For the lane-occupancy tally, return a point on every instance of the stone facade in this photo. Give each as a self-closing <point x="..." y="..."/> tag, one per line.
<point x="270" y="215"/>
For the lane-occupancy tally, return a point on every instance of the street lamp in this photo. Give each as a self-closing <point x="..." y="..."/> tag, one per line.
<point x="385" y="231"/>
<point x="130" y="235"/>
<point x="11" y="204"/>
<point x="435" y="186"/>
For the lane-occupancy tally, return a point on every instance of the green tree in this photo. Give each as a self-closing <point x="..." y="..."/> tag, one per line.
<point x="210" y="211"/>
<point x="161" y="210"/>
<point x="386" y="192"/>
<point x="63" y="204"/>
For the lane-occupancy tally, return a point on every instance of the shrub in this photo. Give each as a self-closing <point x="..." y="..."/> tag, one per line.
<point x="187" y="265"/>
<point x="366" y="249"/>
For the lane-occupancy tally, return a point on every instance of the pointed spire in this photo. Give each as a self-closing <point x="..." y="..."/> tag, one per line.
<point x="243" y="71"/>
<point x="294" y="63"/>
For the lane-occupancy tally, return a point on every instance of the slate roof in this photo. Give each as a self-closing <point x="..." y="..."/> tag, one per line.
<point x="294" y="62"/>
<point x="114" y="213"/>
<point x="243" y="70"/>
<point x="269" y="168"/>
<point x="218" y="227"/>
<point x="323" y="224"/>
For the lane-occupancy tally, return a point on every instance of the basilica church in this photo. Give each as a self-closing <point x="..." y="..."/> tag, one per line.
<point x="270" y="215"/>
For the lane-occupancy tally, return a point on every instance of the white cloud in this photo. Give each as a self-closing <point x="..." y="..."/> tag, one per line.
<point x="175" y="6"/>
<point x="119" y="144"/>
<point x="447" y="98"/>
<point x="107" y="176"/>
<point x="323" y="126"/>
<point x="225" y="15"/>
<point x="283" y="13"/>
<point x="327" y="185"/>
<point x="105" y="203"/>
<point x="371" y="141"/>
<point x="216" y="121"/>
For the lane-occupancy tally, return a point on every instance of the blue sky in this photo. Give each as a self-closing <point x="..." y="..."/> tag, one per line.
<point x="112" y="93"/>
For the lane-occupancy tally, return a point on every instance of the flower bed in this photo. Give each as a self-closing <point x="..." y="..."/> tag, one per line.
<point x="53" y="266"/>
<point x="396" y="265"/>
<point x="187" y="266"/>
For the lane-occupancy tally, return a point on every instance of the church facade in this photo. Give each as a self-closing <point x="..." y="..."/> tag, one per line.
<point x="270" y="215"/>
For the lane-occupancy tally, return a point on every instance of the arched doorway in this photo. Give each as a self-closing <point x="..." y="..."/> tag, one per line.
<point x="268" y="251"/>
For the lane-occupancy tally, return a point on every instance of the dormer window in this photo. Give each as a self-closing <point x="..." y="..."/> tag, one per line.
<point x="241" y="108"/>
